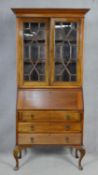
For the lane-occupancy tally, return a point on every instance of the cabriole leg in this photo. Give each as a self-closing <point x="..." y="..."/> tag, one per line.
<point x="17" y="156"/>
<point x="20" y="156"/>
<point x="76" y="154"/>
<point x="82" y="154"/>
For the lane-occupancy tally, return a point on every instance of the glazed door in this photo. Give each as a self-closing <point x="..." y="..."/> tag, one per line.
<point x="66" y="53"/>
<point x="34" y="52"/>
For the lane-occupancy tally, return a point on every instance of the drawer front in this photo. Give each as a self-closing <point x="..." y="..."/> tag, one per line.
<point x="29" y="116"/>
<point x="65" y="115"/>
<point x="36" y="127"/>
<point x="67" y="139"/>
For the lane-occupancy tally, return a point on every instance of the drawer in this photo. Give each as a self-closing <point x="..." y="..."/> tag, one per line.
<point x="65" y="115"/>
<point x="49" y="127"/>
<point x="66" y="139"/>
<point x="29" y="116"/>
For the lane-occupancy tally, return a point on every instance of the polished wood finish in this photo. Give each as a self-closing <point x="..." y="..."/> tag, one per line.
<point x="78" y="83"/>
<point x="42" y="139"/>
<point x="49" y="99"/>
<point x="68" y="15"/>
<point x="49" y="127"/>
<point x="17" y="156"/>
<point x="46" y="12"/>
<point x="31" y="116"/>
<point x="50" y="112"/>
<point x="20" y="54"/>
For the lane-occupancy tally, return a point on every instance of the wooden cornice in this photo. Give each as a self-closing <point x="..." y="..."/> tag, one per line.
<point x="48" y="12"/>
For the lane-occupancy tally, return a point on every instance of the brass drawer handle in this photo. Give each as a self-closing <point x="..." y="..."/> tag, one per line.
<point x="67" y="126"/>
<point x="67" y="117"/>
<point x="32" y="115"/>
<point x="67" y="139"/>
<point x="32" y="127"/>
<point x="20" y="118"/>
<point x="32" y="139"/>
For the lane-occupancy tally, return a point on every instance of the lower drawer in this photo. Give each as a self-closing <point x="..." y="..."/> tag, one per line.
<point x="49" y="127"/>
<point x="67" y="139"/>
<point x="29" y="116"/>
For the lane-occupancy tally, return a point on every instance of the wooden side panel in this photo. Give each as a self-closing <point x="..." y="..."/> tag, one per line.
<point x="19" y="52"/>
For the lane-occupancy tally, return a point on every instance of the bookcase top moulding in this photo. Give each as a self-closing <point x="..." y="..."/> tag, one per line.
<point x="50" y="12"/>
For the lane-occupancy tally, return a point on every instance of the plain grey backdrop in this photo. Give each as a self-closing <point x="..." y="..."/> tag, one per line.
<point x="8" y="68"/>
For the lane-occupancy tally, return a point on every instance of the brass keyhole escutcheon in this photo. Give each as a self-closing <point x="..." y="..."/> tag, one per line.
<point x="67" y="117"/>
<point x="67" y="126"/>
<point x="32" y="127"/>
<point x="32" y="139"/>
<point x="32" y="116"/>
<point x="67" y="139"/>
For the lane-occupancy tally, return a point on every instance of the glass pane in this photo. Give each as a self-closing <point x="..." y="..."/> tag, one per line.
<point x="65" y="51"/>
<point x="34" y="51"/>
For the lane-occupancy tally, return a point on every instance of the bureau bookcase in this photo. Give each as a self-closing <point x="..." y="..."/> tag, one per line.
<point x="49" y="108"/>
